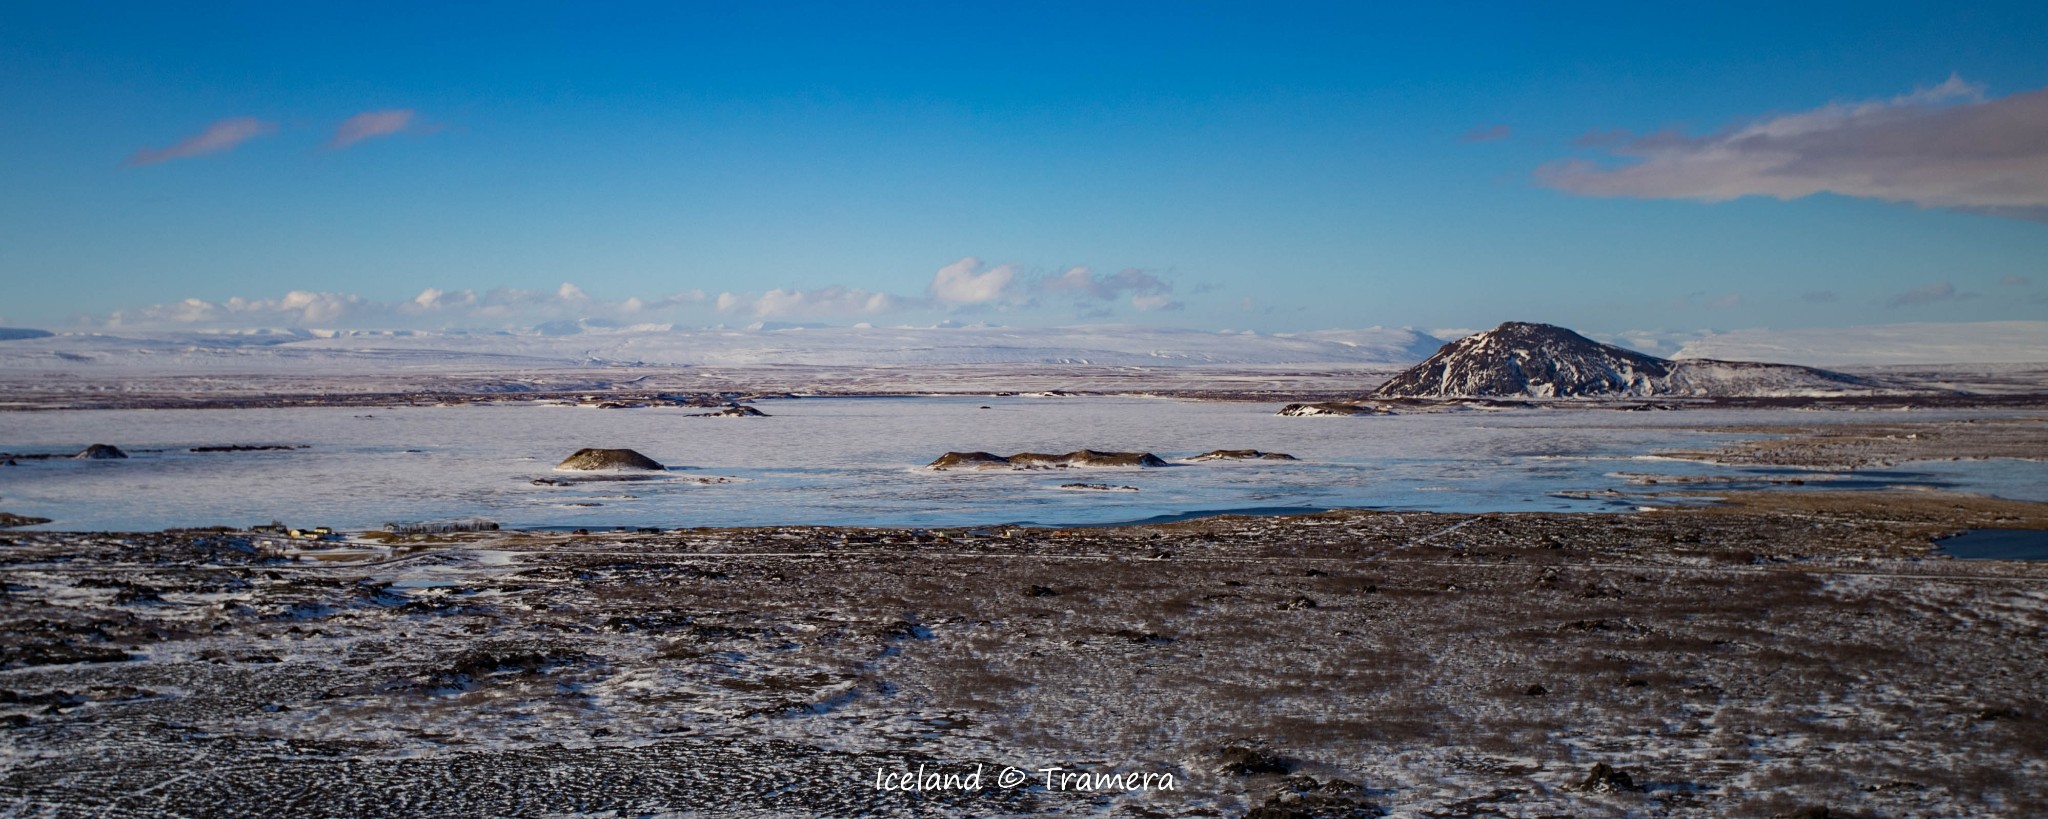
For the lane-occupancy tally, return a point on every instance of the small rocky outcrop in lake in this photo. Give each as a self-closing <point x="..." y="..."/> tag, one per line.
<point x="101" y="452"/>
<point x="591" y="459"/>
<point x="969" y="460"/>
<point x="1242" y="455"/>
<point x="1334" y="408"/>
<point x="734" y="411"/>
<point x="1097" y="487"/>
<point x="1037" y="460"/>
<point x="9" y="519"/>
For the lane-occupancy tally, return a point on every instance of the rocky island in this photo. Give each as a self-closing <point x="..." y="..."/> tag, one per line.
<point x="1080" y="458"/>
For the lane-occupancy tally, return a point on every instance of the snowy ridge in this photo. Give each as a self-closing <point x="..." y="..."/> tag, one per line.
<point x="1984" y="342"/>
<point x="1545" y="361"/>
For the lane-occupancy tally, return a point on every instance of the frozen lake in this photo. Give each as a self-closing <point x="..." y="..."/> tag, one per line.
<point x="858" y="461"/>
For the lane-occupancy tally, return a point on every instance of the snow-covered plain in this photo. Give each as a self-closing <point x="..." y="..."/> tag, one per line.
<point x="859" y="461"/>
<point x="341" y="352"/>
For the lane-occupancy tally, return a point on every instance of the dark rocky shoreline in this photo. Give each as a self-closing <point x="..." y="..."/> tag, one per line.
<point x="1700" y="656"/>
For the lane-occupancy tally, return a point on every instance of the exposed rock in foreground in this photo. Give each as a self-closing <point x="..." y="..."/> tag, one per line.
<point x="1037" y="460"/>
<point x="1242" y="455"/>
<point x="734" y="411"/>
<point x="601" y="459"/>
<point x="101" y="452"/>
<point x="1334" y="408"/>
<point x="1546" y="361"/>
<point x="1733" y="624"/>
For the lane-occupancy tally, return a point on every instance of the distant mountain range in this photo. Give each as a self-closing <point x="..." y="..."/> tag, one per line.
<point x="1578" y="363"/>
<point x="1529" y="360"/>
<point x="569" y="345"/>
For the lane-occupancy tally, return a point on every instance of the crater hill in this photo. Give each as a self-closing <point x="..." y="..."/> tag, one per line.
<point x="1547" y="361"/>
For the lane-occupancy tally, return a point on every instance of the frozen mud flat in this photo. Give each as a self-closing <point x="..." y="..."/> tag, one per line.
<point x="1792" y="651"/>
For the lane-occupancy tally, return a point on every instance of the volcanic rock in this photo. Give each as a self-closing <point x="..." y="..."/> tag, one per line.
<point x="1333" y="408"/>
<point x="1546" y="361"/>
<point x="734" y="411"/>
<point x="1242" y="455"/>
<point x="1038" y="460"/>
<point x="603" y="459"/>
<point x="8" y="519"/>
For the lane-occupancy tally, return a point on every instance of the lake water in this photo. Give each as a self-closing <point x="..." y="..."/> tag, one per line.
<point x="858" y="461"/>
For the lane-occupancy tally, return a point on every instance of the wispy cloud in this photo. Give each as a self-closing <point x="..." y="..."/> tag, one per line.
<point x="1938" y="291"/>
<point x="1145" y="291"/>
<point x="1817" y="296"/>
<point x="1487" y="133"/>
<point x="2015" y="280"/>
<point x="370" y="125"/>
<point x="1946" y="147"/>
<point x="223" y="135"/>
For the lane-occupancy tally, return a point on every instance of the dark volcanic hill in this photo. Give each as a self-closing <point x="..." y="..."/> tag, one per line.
<point x="1546" y="361"/>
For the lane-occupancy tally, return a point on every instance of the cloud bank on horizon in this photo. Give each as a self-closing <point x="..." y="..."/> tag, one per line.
<point x="1947" y="146"/>
<point x="964" y="287"/>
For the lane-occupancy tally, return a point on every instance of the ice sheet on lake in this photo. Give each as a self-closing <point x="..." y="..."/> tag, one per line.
<point x="839" y="461"/>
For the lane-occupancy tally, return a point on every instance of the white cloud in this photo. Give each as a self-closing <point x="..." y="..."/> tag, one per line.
<point x="824" y="301"/>
<point x="298" y="307"/>
<point x="1945" y="147"/>
<point x="964" y="282"/>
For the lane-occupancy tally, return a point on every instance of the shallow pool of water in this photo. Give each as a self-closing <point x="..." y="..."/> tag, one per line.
<point x="1997" y="544"/>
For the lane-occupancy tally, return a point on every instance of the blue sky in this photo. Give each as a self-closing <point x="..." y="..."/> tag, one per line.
<point x="1605" y="166"/>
